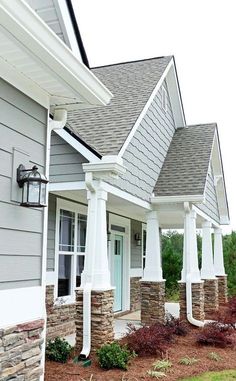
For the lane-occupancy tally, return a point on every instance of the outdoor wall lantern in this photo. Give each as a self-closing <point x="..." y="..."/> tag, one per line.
<point x="33" y="186"/>
<point x="137" y="238"/>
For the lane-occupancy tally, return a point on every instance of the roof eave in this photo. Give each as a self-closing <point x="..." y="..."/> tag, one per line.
<point x="33" y="35"/>
<point x="197" y="198"/>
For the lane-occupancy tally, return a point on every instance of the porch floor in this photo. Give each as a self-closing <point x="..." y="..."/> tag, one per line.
<point x="120" y="323"/>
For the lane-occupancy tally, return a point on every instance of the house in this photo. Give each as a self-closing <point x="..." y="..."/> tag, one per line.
<point x="118" y="175"/>
<point x="40" y="81"/>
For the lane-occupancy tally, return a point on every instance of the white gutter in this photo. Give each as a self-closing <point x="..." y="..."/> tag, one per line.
<point x="198" y="198"/>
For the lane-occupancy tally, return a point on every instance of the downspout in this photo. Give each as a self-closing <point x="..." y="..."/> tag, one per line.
<point x="59" y="121"/>
<point x="189" y="304"/>
<point x="87" y="294"/>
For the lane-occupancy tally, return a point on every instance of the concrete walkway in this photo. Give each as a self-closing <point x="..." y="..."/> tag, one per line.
<point x="120" y="324"/>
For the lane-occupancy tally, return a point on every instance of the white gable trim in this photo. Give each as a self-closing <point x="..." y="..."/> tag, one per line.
<point x="78" y="146"/>
<point x="175" y="98"/>
<point x="205" y="216"/>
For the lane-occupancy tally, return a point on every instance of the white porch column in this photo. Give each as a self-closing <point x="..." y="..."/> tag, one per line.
<point x="207" y="270"/>
<point x="218" y="253"/>
<point x="153" y="267"/>
<point x="96" y="269"/>
<point x="190" y="257"/>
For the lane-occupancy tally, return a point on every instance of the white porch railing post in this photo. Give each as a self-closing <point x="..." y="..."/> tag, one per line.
<point x="153" y="266"/>
<point x="218" y="253"/>
<point x="207" y="270"/>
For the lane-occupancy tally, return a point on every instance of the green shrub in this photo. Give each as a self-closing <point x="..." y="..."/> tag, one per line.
<point x="58" y="350"/>
<point x="114" y="356"/>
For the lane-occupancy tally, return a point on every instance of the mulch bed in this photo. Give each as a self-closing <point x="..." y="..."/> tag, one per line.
<point x="137" y="370"/>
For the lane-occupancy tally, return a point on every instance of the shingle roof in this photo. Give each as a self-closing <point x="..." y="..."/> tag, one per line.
<point x="185" y="169"/>
<point x="105" y="129"/>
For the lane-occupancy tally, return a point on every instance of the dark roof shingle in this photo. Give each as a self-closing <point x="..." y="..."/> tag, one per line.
<point x="105" y="129"/>
<point x="185" y="168"/>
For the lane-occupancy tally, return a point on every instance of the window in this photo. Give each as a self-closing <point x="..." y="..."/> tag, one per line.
<point x="71" y="248"/>
<point x="164" y="99"/>
<point x="144" y="239"/>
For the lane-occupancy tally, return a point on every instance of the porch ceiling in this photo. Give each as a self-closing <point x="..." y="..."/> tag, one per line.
<point x="170" y="216"/>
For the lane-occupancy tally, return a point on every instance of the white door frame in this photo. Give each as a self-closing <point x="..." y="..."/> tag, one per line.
<point x="125" y="223"/>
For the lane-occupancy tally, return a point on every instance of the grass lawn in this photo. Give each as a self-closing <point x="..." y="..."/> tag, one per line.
<point x="226" y="375"/>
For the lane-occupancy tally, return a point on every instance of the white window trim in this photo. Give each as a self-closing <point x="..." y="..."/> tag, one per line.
<point x="76" y="208"/>
<point x="123" y="222"/>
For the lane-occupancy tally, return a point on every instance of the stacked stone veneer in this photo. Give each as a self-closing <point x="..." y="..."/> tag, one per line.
<point x="135" y="293"/>
<point x="223" y="289"/>
<point x="211" y="297"/>
<point x="152" y="302"/>
<point x="197" y="301"/>
<point x="21" y="352"/>
<point x="102" y="318"/>
<point x="60" y="318"/>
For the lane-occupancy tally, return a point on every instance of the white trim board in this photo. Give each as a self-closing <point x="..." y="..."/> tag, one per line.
<point x="67" y="186"/>
<point x="77" y="146"/>
<point x="21" y="305"/>
<point x="205" y="216"/>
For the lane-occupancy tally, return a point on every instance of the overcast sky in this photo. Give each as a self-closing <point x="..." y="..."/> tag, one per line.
<point x="201" y="34"/>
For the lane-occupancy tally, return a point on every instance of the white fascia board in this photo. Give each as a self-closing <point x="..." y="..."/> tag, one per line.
<point x="175" y="97"/>
<point x="24" y="84"/>
<point x="205" y="216"/>
<point x="126" y="196"/>
<point x="147" y="105"/>
<point x="18" y="18"/>
<point x="66" y="26"/>
<point x="176" y="199"/>
<point x="66" y="186"/>
<point x="90" y="156"/>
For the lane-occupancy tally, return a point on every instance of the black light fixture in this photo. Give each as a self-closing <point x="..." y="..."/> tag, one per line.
<point x="33" y="186"/>
<point x="137" y="238"/>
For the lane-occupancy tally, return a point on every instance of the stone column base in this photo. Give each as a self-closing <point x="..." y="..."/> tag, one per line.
<point x="102" y="317"/>
<point x="21" y="351"/>
<point x="223" y="289"/>
<point x="211" y="302"/>
<point x="135" y="294"/>
<point x="197" y="301"/>
<point x="152" y="302"/>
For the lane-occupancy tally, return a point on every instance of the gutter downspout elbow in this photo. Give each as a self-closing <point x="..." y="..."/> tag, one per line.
<point x="59" y="119"/>
<point x="190" y="318"/>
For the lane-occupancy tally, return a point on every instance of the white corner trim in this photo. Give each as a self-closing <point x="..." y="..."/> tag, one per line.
<point x="78" y="146"/>
<point x="224" y="220"/>
<point x="21" y="305"/>
<point x="20" y="20"/>
<point x="66" y="186"/>
<point x="177" y="199"/>
<point x="147" y="105"/>
<point x="136" y="273"/>
<point x="126" y="196"/>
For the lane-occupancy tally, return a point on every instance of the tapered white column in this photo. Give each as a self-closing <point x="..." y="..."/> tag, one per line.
<point x="96" y="269"/>
<point x="218" y="253"/>
<point x="190" y="257"/>
<point x="207" y="270"/>
<point x="153" y="267"/>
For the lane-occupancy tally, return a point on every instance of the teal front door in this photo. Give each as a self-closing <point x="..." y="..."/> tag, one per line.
<point x="118" y="271"/>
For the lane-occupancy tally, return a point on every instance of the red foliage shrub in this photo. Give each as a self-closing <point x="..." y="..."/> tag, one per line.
<point x="178" y="327"/>
<point x="216" y="334"/>
<point x="232" y="307"/>
<point x="152" y="340"/>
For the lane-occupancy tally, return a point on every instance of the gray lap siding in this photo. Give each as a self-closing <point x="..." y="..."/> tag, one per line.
<point x="147" y="149"/>
<point x="210" y="207"/>
<point x="23" y="125"/>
